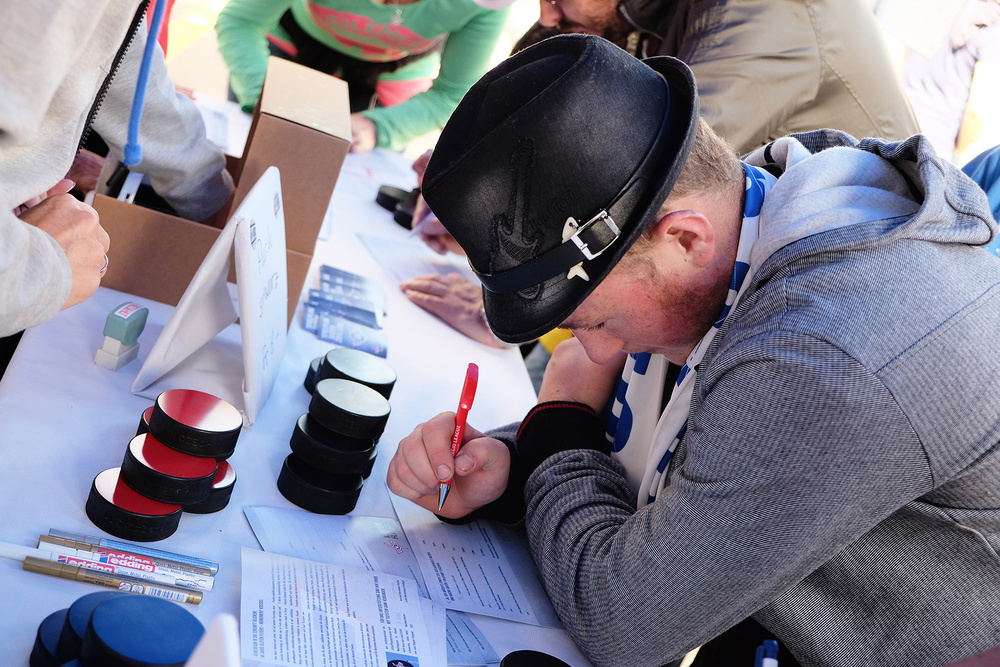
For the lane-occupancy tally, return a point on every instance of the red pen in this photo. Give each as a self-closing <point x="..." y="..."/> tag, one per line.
<point x="464" y="403"/>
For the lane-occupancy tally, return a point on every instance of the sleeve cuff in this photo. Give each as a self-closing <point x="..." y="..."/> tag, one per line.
<point x="550" y="428"/>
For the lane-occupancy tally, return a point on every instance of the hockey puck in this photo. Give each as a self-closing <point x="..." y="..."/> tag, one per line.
<point x="349" y="408"/>
<point x="196" y="423"/>
<point x="45" y="652"/>
<point x="140" y="631"/>
<point x="327" y="450"/>
<point x="222" y="491"/>
<point x="347" y="364"/>
<point x="77" y="617"/>
<point x="165" y="474"/>
<point x="144" y="421"/>
<point x="311" y="374"/>
<point x="318" y="491"/>
<point x="115" y="507"/>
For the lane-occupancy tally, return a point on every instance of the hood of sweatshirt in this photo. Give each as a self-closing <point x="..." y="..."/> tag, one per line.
<point x="831" y="181"/>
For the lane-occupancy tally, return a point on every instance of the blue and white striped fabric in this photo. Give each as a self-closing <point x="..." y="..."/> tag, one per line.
<point x="639" y="444"/>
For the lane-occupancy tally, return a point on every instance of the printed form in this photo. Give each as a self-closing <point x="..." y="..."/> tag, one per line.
<point x="371" y="543"/>
<point x="298" y="612"/>
<point x="479" y="567"/>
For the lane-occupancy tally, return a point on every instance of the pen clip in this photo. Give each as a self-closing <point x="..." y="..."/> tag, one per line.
<point x="469" y="388"/>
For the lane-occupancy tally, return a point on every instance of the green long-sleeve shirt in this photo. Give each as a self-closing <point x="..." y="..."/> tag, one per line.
<point x="365" y="30"/>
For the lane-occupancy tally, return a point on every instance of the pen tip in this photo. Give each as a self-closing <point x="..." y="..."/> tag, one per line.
<point x="442" y="494"/>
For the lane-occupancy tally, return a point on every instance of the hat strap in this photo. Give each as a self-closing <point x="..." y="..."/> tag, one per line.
<point x="592" y="237"/>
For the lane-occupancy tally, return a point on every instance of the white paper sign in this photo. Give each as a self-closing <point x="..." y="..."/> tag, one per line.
<point x="190" y="353"/>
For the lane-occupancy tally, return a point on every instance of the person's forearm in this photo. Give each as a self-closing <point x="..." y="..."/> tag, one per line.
<point x="184" y="167"/>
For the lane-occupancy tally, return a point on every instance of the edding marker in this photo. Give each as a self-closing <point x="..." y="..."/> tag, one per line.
<point x="172" y="559"/>
<point x="133" y="565"/>
<point x="125" y="584"/>
<point x="90" y="561"/>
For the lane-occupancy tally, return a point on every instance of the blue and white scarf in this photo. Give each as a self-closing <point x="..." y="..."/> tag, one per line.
<point x="644" y="445"/>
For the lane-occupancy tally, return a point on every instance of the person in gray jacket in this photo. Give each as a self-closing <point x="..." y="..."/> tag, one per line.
<point x="54" y="61"/>
<point x="807" y="426"/>
<point x="765" y="68"/>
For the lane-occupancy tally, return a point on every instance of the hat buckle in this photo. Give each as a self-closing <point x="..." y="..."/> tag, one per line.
<point x="574" y="231"/>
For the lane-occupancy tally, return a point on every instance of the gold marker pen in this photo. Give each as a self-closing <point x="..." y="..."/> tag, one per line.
<point x="125" y="584"/>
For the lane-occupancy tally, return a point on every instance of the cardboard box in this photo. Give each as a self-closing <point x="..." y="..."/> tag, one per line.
<point x="302" y="127"/>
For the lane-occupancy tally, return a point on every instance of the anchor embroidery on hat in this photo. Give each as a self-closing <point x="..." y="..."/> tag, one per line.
<point x="517" y="235"/>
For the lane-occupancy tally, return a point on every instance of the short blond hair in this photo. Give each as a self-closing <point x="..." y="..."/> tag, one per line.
<point x="712" y="169"/>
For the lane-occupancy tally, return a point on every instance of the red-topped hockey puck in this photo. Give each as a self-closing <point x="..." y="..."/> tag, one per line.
<point x="196" y="423"/>
<point x="165" y="474"/>
<point x="144" y="421"/>
<point x="222" y="491"/>
<point x="115" y="507"/>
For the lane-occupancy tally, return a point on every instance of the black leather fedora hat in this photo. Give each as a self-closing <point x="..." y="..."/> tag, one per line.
<point x="551" y="167"/>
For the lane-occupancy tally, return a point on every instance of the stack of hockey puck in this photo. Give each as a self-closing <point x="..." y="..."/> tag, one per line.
<point x="334" y="444"/>
<point x="112" y="628"/>
<point x="176" y="462"/>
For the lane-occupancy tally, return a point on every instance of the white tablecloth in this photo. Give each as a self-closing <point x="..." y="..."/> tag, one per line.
<point x="64" y="419"/>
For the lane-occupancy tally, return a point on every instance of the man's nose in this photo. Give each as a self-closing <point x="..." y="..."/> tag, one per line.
<point x="549" y="14"/>
<point x="599" y="346"/>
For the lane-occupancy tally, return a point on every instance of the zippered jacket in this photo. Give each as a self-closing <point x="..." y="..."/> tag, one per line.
<point x="54" y="57"/>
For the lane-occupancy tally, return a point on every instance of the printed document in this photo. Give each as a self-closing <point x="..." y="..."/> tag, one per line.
<point x="298" y="612"/>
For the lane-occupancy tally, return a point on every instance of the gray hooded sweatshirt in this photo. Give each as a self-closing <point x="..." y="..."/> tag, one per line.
<point x="839" y="478"/>
<point x="54" y="58"/>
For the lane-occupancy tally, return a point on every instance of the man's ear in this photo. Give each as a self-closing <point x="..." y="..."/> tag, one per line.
<point x="687" y="232"/>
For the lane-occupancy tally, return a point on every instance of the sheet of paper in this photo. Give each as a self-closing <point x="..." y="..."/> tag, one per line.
<point x="226" y="124"/>
<point x="370" y="543"/>
<point x="467" y="645"/>
<point x="404" y="259"/>
<point x="478" y="567"/>
<point x="299" y="612"/>
<point x="364" y="542"/>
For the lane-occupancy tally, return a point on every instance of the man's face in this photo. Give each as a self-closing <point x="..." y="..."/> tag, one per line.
<point x="591" y="17"/>
<point x="639" y="307"/>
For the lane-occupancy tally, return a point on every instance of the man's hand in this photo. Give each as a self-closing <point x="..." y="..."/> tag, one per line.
<point x="76" y="227"/>
<point x="432" y="232"/>
<point x="454" y="300"/>
<point x="570" y="375"/>
<point x="419" y="165"/>
<point x="363" y="134"/>
<point x="423" y="460"/>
